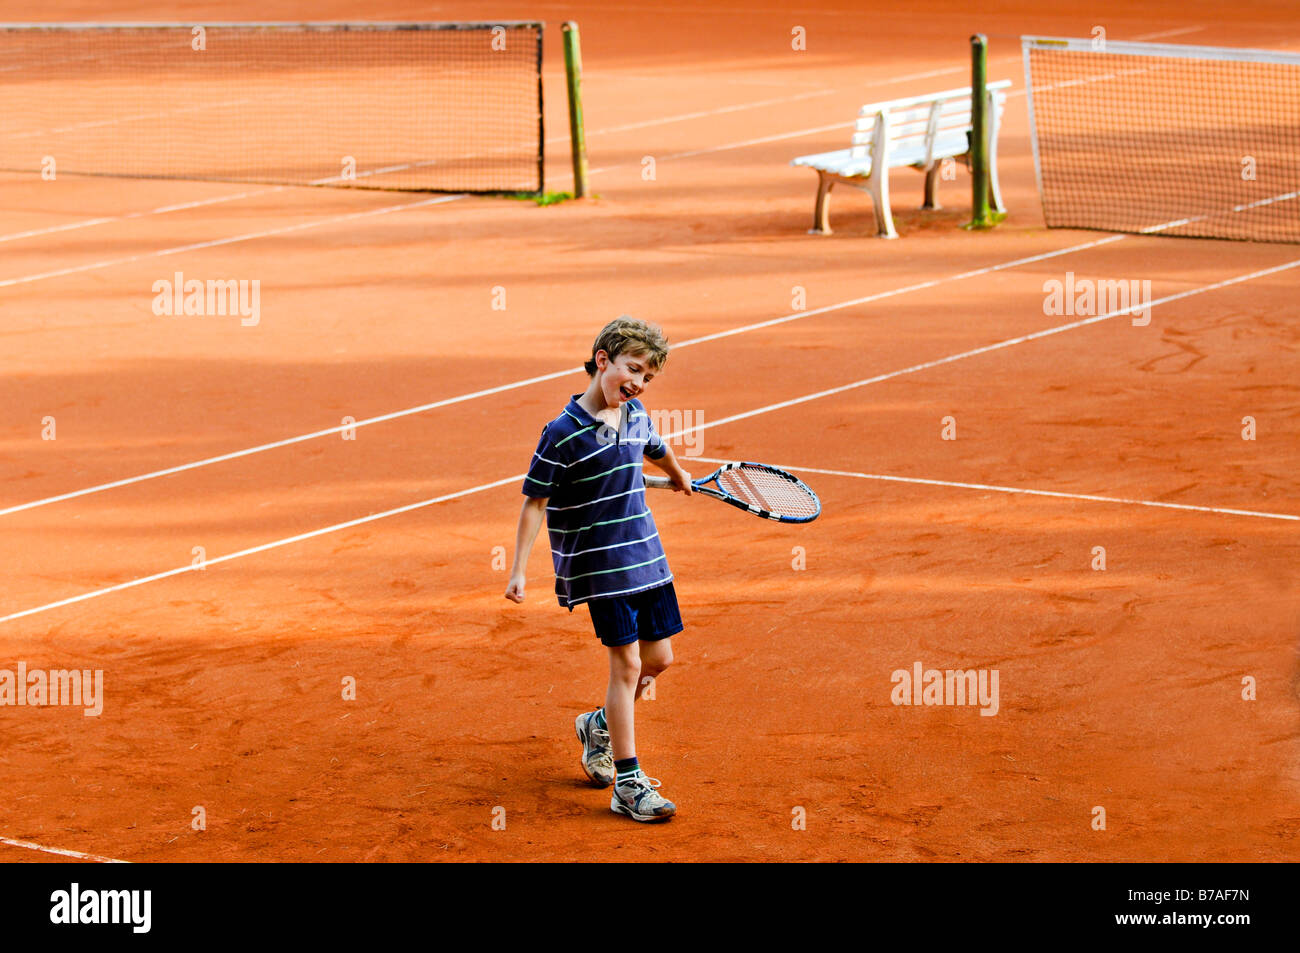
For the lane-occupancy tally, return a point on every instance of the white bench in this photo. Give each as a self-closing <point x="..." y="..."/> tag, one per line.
<point x="919" y="132"/>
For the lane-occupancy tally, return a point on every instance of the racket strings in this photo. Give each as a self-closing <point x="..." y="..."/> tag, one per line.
<point x="768" y="491"/>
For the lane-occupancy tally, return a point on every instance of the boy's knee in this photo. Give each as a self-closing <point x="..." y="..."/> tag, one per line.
<point x="654" y="667"/>
<point x="626" y="668"/>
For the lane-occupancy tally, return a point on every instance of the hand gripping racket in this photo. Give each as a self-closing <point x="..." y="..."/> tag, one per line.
<point x="757" y="488"/>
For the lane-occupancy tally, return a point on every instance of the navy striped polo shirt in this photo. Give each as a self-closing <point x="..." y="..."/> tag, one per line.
<point x="603" y="538"/>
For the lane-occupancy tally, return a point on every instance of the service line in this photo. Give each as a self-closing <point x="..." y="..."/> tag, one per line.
<point x="28" y="845"/>
<point x="517" y="478"/>
<point x="957" y="484"/>
<point x="554" y="375"/>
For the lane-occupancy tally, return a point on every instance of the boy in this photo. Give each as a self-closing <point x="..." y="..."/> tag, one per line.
<point x="586" y="479"/>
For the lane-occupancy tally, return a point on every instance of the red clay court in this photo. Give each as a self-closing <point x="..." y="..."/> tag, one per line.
<point x="377" y="559"/>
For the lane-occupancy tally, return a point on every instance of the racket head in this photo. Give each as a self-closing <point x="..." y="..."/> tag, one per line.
<point x="765" y="491"/>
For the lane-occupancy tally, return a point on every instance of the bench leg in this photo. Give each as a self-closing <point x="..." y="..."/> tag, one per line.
<point x="995" y="191"/>
<point x="932" y="188"/>
<point x="822" y="210"/>
<point x="879" y="188"/>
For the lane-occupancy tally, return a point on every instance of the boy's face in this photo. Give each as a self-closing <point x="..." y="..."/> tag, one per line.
<point x="623" y="378"/>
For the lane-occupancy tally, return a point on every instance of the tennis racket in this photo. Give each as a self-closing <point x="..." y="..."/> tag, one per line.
<point x="757" y="488"/>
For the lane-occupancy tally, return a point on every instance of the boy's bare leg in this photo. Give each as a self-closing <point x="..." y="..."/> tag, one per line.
<point x="655" y="657"/>
<point x="635" y="797"/>
<point x="624" y="675"/>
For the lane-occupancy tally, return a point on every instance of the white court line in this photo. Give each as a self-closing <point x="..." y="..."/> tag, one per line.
<point x="86" y="223"/>
<point x="766" y="102"/>
<point x="198" y="203"/>
<point x="778" y="137"/>
<point x="217" y="242"/>
<point x="702" y="114"/>
<point x="755" y="142"/>
<point x="1014" y="489"/>
<point x="99" y="123"/>
<point x="737" y="145"/>
<point x="59" y="850"/>
<point x="512" y="480"/>
<point x="1163" y="33"/>
<point x="333" y="430"/>
<point x="1268" y="201"/>
<point x="275" y="544"/>
<point x="289" y="441"/>
<point x="460" y="398"/>
<point x="988" y="348"/>
<point x="1272" y="199"/>
<point x="927" y="74"/>
<point x="727" y="12"/>
<point x="883" y="81"/>
<point x="161" y="210"/>
<point x="602" y="77"/>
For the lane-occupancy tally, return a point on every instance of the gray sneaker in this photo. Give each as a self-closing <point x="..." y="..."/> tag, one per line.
<point x="597" y="752"/>
<point x="637" y="798"/>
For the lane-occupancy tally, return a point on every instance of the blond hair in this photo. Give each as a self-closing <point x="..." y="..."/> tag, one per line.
<point x="626" y="335"/>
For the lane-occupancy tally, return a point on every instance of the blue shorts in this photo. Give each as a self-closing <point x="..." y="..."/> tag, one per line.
<point x="649" y="615"/>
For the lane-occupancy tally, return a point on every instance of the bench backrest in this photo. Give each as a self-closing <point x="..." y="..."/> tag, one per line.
<point x="919" y="119"/>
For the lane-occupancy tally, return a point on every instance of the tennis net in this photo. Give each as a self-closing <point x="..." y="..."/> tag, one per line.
<point x="1176" y="140"/>
<point x="414" y="106"/>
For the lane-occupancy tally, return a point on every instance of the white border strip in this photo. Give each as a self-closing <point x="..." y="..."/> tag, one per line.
<point x="410" y="507"/>
<point x="61" y="851"/>
<point x="1169" y="50"/>
<point x="1033" y="126"/>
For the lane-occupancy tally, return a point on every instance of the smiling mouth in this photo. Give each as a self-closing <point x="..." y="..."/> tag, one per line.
<point x="627" y="395"/>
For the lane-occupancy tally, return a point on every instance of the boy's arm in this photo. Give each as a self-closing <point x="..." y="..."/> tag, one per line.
<point x="668" y="463"/>
<point x="531" y="517"/>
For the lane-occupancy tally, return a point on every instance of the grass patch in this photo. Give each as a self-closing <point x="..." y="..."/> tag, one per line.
<point x="995" y="218"/>
<point x="546" y="198"/>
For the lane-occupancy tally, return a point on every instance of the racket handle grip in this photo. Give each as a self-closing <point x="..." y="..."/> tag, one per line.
<point x="659" y="483"/>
